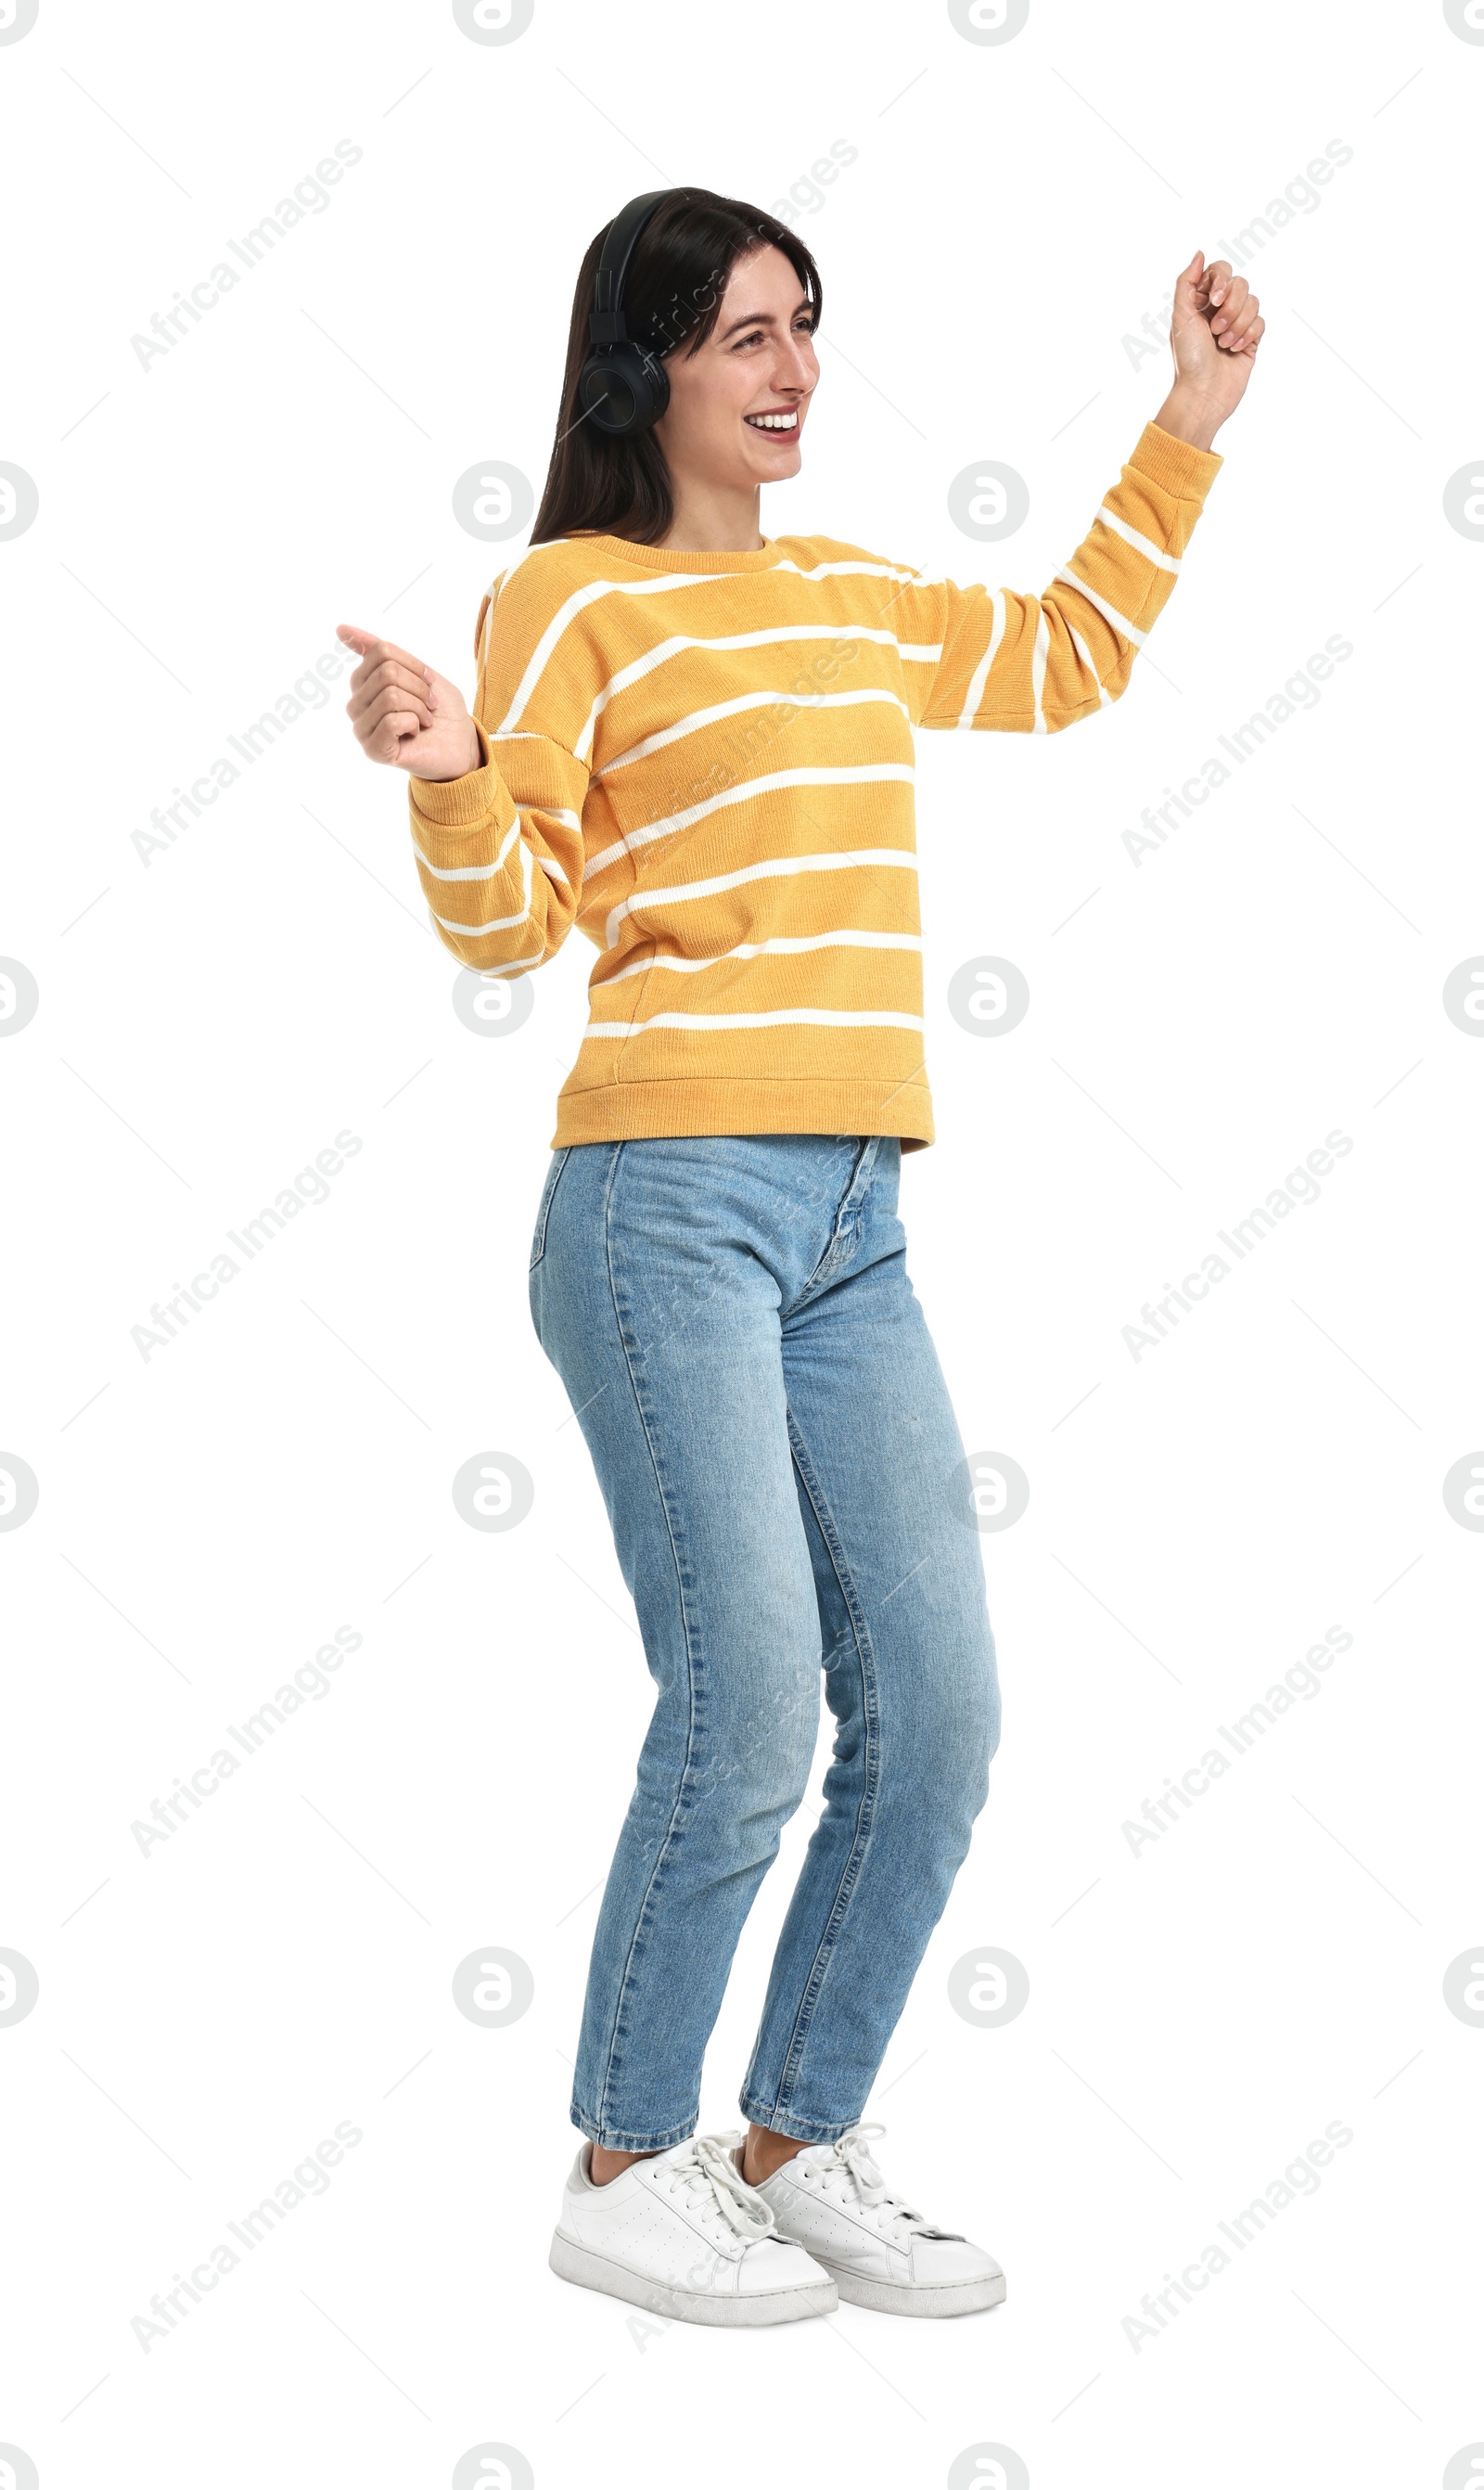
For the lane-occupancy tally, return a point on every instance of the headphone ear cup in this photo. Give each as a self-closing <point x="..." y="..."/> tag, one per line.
<point x="624" y="389"/>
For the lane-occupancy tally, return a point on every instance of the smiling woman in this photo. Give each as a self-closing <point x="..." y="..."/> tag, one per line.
<point x="716" y="370"/>
<point x="694" y="742"/>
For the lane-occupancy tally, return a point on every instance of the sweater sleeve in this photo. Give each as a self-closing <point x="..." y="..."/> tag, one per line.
<point x="988" y="657"/>
<point x="499" y="852"/>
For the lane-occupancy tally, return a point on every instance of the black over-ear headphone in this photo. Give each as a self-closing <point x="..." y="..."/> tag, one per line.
<point x="622" y="388"/>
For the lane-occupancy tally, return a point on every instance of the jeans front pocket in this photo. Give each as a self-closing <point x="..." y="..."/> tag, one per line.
<point x="559" y="1159"/>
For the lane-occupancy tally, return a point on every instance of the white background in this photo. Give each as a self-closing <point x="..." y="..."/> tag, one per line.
<point x="211" y="1018"/>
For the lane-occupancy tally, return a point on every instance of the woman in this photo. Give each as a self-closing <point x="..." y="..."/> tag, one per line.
<point x="695" y="742"/>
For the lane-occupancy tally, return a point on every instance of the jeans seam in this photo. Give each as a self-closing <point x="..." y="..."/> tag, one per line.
<point x="643" y="1912"/>
<point x="839" y="1233"/>
<point x="871" y="1777"/>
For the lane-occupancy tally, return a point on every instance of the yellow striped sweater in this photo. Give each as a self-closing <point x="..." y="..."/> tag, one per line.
<point x="705" y="761"/>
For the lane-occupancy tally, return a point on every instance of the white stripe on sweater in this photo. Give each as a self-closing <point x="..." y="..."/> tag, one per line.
<point x="682" y="644"/>
<point x="566" y="612"/>
<point x="510" y="968"/>
<point x="840" y="936"/>
<point x="1141" y="544"/>
<point x="838" y="860"/>
<point x="860" y="774"/>
<point x="1039" y="655"/>
<point x="470" y="872"/>
<point x="487" y="872"/>
<point x="754" y="1020"/>
<point x="981" y="674"/>
<point x="497" y="924"/>
<point x="496" y="585"/>
<point x="700" y="718"/>
<point x="1110" y="613"/>
<point x="582" y="598"/>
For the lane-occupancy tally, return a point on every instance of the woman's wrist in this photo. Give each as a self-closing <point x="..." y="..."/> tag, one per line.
<point x="1191" y="418"/>
<point x="475" y="761"/>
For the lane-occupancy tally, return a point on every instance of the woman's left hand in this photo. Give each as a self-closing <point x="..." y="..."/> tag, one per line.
<point x="1216" y="328"/>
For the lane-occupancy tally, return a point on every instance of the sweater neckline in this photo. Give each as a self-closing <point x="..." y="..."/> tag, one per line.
<point x="677" y="558"/>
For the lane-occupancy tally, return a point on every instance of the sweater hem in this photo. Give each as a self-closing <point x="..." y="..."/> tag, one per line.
<point x="632" y="1111"/>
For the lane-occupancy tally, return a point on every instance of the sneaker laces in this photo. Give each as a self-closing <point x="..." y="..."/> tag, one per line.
<point x="851" y="2158"/>
<point x="706" y="2169"/>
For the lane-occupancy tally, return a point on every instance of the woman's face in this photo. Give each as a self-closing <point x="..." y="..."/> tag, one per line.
<point x="758" y="361"/>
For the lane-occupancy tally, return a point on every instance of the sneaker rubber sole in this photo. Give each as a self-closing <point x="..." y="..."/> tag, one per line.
<point x="916" y="2300"/>
<point x="596" y="2273"/>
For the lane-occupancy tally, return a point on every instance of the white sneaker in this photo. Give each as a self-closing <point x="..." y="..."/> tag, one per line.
<point x="683" y="2233"/>
<point x="833" y="2200"/>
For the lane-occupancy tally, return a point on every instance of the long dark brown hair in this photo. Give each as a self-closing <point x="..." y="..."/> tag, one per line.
<point x="672" y="296"/>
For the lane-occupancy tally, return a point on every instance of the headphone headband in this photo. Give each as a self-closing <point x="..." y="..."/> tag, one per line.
<point x="605" y="326"/>
<point x="622" y="387"/>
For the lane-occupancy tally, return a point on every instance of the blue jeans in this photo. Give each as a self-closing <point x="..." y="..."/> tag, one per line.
<point x="736" y="1331"/>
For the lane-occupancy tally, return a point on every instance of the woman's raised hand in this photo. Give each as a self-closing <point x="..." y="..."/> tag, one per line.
<point x="1214" y="327"/>
<point x="405" y="713"/>
<point x="1215" y="330"/>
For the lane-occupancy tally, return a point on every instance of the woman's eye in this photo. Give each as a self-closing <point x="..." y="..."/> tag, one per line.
<point x="753" y="337"/>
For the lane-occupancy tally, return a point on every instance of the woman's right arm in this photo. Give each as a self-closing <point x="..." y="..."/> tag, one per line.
<point x="499" y="849"/>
